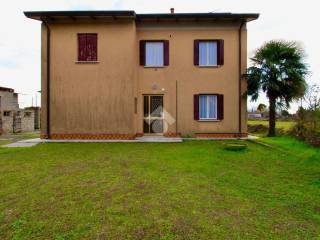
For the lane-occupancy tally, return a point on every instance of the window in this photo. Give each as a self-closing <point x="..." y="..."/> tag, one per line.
<point x="207" y="107"/>
<point x="6" y="113"/>
<point x="87" y="47"/>
<point x="208" y="53"/>
<point x="154" y="54"/>
<point x="27" y="114"/>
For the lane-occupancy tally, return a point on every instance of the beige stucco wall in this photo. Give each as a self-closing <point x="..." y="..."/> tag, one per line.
<point x="194" y="79"/>
<point x="99" y="98"/>
<point x="91" y="98"/>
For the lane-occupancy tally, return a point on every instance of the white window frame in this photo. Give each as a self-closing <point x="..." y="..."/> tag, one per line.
<point x="207" y="54"/>
<point x="207" y="110"/>
<point x="160" y="65"/>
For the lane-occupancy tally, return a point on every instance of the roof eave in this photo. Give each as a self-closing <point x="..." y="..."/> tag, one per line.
<point x="41" y="15"/>
<point x="214" y="16"/>
<point x="51" y="15"/>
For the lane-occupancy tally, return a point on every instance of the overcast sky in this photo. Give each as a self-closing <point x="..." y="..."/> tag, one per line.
<point x="279" y="19"/>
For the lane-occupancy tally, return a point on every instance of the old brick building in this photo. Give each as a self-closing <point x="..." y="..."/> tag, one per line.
<point x="13" y="119"/>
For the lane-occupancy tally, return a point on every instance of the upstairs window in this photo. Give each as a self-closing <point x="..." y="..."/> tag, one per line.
<point x="27" y="114"/>
<point x="154" y="53"/>
<point x="208" y="53"/>
<point x="6" y="113"/>
<point x="87" y="47"/>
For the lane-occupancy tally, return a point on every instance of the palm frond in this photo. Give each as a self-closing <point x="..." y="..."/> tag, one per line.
<point x="278" y="69"/>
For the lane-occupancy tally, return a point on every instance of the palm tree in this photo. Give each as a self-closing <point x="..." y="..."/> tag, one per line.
<point x="279" y="71"/>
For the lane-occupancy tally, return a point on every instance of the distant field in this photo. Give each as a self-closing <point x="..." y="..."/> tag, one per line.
<point x="285" y="125"/>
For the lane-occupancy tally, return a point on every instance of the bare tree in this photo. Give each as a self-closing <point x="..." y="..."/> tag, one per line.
<point x="312" y="97"/>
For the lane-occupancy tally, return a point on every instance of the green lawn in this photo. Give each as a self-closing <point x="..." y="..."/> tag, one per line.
<point x="190" y="190"/>
<point x="282" y="127"/>
<point x="8" y="138"/>
<point x="285" y="125"/>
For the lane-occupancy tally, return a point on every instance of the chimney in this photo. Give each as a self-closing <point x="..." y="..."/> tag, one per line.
<point x="172" y="10"/>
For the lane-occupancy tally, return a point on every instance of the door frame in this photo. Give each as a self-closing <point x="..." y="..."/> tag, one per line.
<point x="149" y="117"/>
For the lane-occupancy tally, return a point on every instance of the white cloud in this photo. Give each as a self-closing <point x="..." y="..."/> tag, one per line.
<point x="20" y="37"/>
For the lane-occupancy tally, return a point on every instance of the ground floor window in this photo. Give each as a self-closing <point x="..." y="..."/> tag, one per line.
<point x="208" y="107"/>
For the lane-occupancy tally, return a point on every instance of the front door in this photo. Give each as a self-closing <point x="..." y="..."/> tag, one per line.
<point x="153" y="114"/>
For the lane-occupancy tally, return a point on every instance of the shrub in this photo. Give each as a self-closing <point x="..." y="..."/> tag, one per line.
<point x="307" y="126"/>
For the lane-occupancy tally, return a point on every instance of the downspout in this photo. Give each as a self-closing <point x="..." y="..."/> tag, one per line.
<point x="48" y="79"/>
<point x="240" y="76"/>
<point x="176" y="107"/>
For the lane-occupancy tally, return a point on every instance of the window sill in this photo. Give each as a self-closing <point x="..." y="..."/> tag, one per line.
<point x="209" y="120"/>
<point x="87" y="62"/>
<point x="209" y="66"/>
<point x="154" y="66"/>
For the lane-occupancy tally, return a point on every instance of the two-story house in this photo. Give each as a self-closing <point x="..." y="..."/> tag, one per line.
<point x="118" y="74"/>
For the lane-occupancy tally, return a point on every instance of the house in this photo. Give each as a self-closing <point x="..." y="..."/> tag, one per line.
<point x="13" y="118"/>
<point x="9" y="109"/>
<point x="118" y="74"/>
<point x="254" y="115"/>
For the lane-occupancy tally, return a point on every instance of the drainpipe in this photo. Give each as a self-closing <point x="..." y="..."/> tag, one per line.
<point x="177" y="107"/>
<point x="239" y="84"/>
<point x="48" y="78"/>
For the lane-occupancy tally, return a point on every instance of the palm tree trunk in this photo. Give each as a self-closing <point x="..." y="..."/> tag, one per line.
<point x="272" y="116"/>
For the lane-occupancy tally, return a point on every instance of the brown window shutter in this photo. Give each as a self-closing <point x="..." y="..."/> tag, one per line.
<point x="91" y="46"/>
<point x="220" y="106"/>
<point x="82" y="53"/>
<point x="196" y="53"/>
<point x="196" y="106"/>
<point x="220" y="52"/>
<point x="166" y="52"/>
<point x="142" y="52"/>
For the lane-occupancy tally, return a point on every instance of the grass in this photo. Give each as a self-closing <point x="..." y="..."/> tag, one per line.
<point x="282" y="127"/>
<point x="190" y="190"/>
<point x="285" y="125"/>
<point x="14" y="137"/>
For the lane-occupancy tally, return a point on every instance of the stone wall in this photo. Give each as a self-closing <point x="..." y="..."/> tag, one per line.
<point x="9" y="101"/>
<point x="7" y="123"/>
<point x="14" y="119"/>
<point x="9" y="108"/>
<point x="27" y="120"/>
